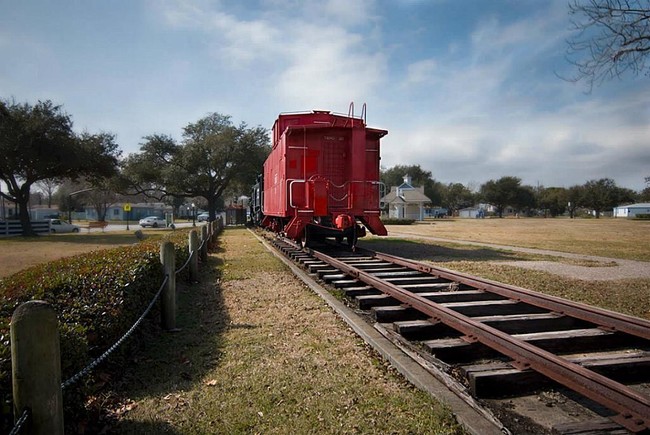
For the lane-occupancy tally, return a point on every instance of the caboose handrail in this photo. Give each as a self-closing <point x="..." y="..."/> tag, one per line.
<point x="291" y="181"/>
<point x="302" y="180"/>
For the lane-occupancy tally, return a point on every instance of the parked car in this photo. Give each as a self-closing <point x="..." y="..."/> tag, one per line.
<point x="203" y="217"/>
<point x="152" y="221"/>
<point x="59" y="226"/>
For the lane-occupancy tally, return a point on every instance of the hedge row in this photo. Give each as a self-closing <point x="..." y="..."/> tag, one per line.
<point x="97" y="297"/>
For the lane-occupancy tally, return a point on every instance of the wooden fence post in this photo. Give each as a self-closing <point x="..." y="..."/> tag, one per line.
<point x="36" y="366"/>
<point x="168" y="296"/>
<point x="204" y="241"/>
<point x="215" y="231"/>
<point x="194" y="262"/>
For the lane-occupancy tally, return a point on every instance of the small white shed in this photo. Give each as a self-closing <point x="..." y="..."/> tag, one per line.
<point x="632" y="210"/>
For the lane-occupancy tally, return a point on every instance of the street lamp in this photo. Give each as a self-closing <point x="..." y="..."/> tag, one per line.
<point x="70" y="200"/>
<point x="193" y="215"/>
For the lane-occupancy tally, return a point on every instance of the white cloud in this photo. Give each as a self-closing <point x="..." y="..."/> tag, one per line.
<point x="303" y="50"/>
<point x="349" y="13"/>
<point x="421" y="71"/>
<point x="327" y="66"/>
<point x="476" y="114"/>
<point x="581" y="141"/>
<point x="236" y="42"/>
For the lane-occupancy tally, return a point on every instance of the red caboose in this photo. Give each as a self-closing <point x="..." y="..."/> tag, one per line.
<point x="322" y="177"/>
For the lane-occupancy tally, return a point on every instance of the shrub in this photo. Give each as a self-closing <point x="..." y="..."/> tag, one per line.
<point x="97" y="297"/>
<point x="642" y="216"/>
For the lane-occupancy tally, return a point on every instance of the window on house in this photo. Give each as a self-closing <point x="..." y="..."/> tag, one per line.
<point x="116" y="212"/>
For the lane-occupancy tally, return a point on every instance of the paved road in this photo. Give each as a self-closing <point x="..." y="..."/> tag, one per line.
<point x="134" y="226"/>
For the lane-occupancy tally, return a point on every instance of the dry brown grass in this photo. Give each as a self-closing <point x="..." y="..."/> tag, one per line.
<point x="260" y="353"/>
<point x="627" y="296"/>
<point x="617" y="238"/>
<point x="18" y="253"/>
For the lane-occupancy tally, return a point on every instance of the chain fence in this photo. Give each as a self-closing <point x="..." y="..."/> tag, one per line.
<point x="21" y="422"/>
<point x="25" y="416"/>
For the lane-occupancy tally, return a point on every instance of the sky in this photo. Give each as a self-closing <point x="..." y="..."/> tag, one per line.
<point x="469" y="90"/>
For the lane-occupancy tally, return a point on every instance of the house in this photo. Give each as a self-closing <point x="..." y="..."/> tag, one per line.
<point x="39" y="212"/>
<point x="632" y="210"/>
<point x="471" y="213"/>
<point x="138" y="211"/>
<point x="405" y="201"/>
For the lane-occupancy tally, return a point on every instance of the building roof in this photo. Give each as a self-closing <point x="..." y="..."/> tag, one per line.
<point x="638" y="205"/>
<point x="399" y="195"/>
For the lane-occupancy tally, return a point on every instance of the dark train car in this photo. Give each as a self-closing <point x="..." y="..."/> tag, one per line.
<point x="255" y="204"/>
<point x="322" y="177"/>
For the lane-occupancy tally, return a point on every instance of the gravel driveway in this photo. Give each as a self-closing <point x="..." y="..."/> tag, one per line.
<point x="615" y="268"/>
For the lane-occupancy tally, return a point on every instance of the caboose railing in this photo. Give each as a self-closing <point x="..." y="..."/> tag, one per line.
<point x="291" y="182"/>
<point x="345" y="187"/>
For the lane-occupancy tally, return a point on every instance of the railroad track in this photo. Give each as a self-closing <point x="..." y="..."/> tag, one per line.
<point x="499" y="340"/>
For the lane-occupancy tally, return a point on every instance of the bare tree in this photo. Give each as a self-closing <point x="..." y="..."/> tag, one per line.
<point x="48" y="186"/>
<point x="613" y="37"/>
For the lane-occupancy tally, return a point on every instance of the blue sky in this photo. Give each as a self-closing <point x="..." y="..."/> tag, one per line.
<point x="469" y="90"/>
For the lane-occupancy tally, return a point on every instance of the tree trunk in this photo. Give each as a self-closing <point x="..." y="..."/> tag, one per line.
<point x="212" y="205"/>
<point x="23" y="215"/>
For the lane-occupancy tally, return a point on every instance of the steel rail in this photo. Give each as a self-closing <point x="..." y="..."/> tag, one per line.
<point x="606" y="319"/>
<point x="632" y="407"/>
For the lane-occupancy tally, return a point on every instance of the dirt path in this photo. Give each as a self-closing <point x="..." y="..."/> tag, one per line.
<point x="615" y="268"/>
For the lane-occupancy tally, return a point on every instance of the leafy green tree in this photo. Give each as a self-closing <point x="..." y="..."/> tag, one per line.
<point x="575" y="195"/>
<point x="67" y="203"/>
<point x="525" y="200"/>
<point x="600" y="195"/>
<point x="554" y="200"/>
<point x="457" y="196"/>
<point x="644" y="196"/>
<point x="627" y="196"/>
<point x="37" y="143"/>
<point x="507" y="191"/>
<point x="213" y="155"/>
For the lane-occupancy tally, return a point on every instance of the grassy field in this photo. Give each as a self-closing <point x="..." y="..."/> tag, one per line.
<point x="17" y="253"/>
<point x="259" y="353"/>
<point x="617" y="238"/>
